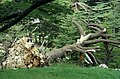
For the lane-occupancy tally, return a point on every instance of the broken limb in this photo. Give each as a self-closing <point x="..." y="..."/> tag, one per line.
<point x="100" y="40"/>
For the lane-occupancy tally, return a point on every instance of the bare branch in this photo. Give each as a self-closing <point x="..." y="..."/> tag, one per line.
<point x="87" y="48"/>
<point x="92" y="57"/>
<point x="96" y="25"/>
<point x="95" y="35"/>
<point x="106" y="35"/>
<point x="100" y="40"/>
<point x="94" y="28"/>
<point x="115" y="45"/>
<point x="79" y="28"/>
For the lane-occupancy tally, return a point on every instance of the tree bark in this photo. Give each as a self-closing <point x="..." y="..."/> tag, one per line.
<point x="100" y="40"/>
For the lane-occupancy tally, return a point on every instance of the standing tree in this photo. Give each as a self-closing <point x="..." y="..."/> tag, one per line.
<point x="21" y="14"/>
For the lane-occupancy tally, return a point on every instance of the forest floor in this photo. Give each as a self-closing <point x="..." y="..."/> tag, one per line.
<point x="60" y="71"/>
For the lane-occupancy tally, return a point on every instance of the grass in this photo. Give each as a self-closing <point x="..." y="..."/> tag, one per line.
<point x="60" y="71"/>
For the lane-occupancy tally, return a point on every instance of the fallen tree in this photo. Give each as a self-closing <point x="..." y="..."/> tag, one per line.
<point x="82" y="44"/>
<point x="23" y="53"/>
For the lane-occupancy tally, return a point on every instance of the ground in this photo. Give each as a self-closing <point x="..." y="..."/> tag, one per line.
<point x="60" y="71"/>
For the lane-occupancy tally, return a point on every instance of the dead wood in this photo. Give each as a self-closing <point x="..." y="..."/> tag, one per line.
<point x="100" y="40"/>
<point x="82" y="46"/>
<point x="85" y="39"/>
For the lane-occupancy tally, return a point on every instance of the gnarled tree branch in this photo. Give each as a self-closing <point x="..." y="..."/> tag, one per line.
<point x="100" y="40"/>
<point x="80" y="29"/>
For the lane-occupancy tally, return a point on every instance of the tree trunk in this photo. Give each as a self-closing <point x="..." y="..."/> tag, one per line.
<point x="18" y="18"/>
